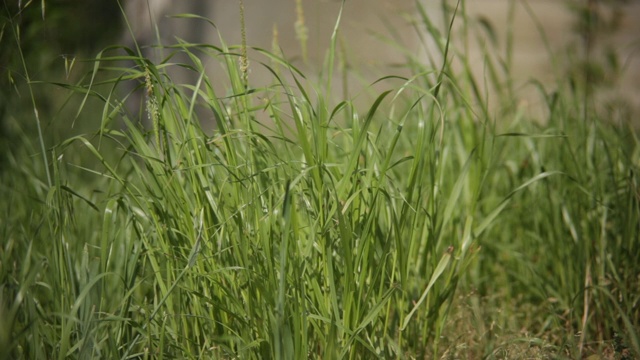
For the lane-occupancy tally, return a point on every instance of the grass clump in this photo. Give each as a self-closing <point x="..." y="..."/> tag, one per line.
<point x="305" y="227"/>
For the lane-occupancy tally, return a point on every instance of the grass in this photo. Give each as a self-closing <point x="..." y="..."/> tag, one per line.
<point x="429" y="224"/>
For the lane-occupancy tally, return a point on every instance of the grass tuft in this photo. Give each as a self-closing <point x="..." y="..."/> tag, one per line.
<point x="432" y="223"/>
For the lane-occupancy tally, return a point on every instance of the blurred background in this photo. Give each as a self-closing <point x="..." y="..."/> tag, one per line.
<point x="372" y="32"/>
<point x="53" y="41"/>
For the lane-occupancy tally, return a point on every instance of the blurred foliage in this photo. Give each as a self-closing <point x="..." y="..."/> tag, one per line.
<point x="40" y="41"/>
<point x="595" y="21"/>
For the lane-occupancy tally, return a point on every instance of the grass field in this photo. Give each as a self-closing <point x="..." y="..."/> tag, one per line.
<point x="435" y="222"/>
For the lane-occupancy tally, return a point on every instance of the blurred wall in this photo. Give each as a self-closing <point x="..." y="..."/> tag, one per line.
<point x="617" y="32"/>
<point x="361" y="20"/>
<point x="364" y="22"/>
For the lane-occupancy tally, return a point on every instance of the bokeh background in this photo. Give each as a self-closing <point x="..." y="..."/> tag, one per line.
<point x="53" y="41"/>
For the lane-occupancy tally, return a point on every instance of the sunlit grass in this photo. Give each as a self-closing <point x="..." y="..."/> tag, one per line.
<point x="420" y="226"/>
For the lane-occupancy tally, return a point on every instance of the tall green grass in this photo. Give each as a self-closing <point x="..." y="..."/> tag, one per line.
<point x="303" y="226"/>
